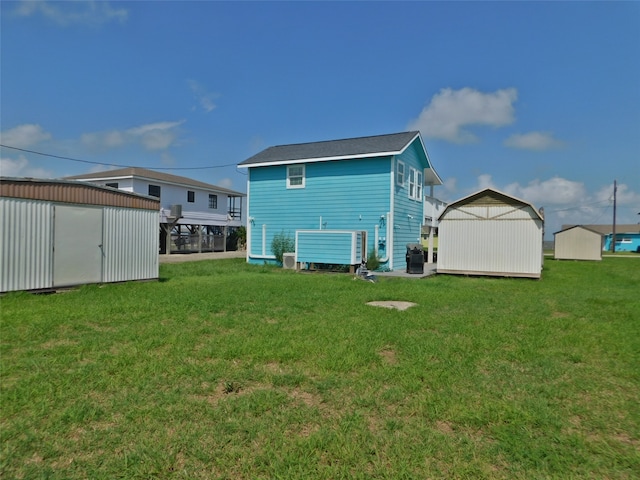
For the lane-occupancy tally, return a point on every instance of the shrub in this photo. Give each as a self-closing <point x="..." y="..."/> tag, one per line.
<point x="373" y="261"/>
<point x="282" y="243"/>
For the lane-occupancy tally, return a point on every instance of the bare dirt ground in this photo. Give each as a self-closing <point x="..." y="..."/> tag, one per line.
<point x="194" y="257"/>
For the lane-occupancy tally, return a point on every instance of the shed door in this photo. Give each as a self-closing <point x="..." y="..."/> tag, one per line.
<point x="77" y="245"/>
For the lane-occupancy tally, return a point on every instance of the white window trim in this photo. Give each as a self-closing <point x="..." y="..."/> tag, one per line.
<point x="415" y="184"/>
<point x="412" y="182"/>
<point x="289" y="176"/>
<point x="400" y="177"/>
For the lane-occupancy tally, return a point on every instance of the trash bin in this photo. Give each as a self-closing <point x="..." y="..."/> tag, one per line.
<point x="415" y="258"/>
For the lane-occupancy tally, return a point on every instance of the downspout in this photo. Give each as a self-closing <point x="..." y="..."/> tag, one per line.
<point x="249" y="231"/>
<point x="431" y="227"/>
<point x="264" y="255"/>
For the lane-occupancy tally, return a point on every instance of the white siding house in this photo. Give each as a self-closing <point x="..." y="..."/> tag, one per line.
<point x="490" y="233"/>
<point x="198" y="215"/>
<point x="578" y="243"/>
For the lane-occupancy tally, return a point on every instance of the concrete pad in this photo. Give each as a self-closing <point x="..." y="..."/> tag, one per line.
<point x="398" y="305"/>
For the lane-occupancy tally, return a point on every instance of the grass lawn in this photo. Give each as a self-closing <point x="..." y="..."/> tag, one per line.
<point x="227" y="370"/>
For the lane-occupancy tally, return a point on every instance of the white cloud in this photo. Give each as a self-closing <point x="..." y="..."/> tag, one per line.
<point x="64" y="14"/>
<point x="451" y="184"/>
<point x="20" y="167"/>
<point x="555" y="191"/>
<point x="624" y="195"/>
<point x="570" y="202"/>
<point x="24" y="136"/>
<point x="533" y="141"/>
<point x="225" y="183"/>
<point x="204" y="98"/>
<point x="152" y="136"/>
<point x="485" y="181"/>
<point x="450" y="111"/>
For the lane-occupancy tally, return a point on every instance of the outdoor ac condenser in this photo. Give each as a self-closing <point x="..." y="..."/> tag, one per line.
<point x="289" y="260"/>
<point x="176" y="211"/>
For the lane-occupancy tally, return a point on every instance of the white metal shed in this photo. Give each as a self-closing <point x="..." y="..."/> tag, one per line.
<point x="490" y="233"/>
<point x="56" y="233"/>
<point x="578" y="243"/>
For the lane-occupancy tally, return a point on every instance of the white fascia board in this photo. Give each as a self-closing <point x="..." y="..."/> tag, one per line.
<point x="188" y="186"/>
<point x="322" y="159"/>
<point x="105" y="179"/>
<point x="429" y="172"/>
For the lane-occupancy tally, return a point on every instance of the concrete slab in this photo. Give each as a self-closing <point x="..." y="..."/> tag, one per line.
<point x="397" y="304"/>
<point x="429" y="269"/>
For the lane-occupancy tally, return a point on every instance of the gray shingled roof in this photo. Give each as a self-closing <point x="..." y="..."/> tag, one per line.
<point x="378" y="145"/>
<point x="151" y="175"/>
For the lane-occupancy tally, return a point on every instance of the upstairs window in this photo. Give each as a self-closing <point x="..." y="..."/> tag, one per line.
<point x="191" y="196"/>
<point x="415" y="184"/>
<point x="154" y="191"/>
<point x="295" y="176"/>
<point x="112" y="184"/>
<point x="412" y="183"/>
<point x="213" y="201"/>
<point x="418" y="185"/>
<point x="235" y="207"/>
<point x="400" y="173"/>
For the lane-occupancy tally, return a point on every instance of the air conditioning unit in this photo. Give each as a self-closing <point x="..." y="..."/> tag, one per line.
<point x="289" y="260"/>
<point x="176" y="211"/>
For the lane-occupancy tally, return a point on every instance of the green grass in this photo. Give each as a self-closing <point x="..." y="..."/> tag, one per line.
<point x="226" y="370"/>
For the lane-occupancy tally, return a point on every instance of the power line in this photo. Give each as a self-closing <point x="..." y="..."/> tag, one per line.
<point x="112" y="164"/>
<point x="578" y="207"/>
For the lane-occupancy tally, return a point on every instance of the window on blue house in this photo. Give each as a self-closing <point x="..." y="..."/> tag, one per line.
<point x="400" y="173"/>
<point x="295" y="176"/>
<point x="415" y="184"/>
<point x="213" y="201"/>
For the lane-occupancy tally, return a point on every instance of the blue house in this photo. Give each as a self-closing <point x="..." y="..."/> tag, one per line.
<point x="341" y="199"/>
<point x="627" y="239"/>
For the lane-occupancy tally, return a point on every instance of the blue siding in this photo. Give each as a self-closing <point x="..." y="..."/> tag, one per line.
<point x="631" y="242"/>
<point x="408" y="213"/>
<point x="347" y="195"/>
<point x="331" y="247"/>
<point x="338" y="195"/>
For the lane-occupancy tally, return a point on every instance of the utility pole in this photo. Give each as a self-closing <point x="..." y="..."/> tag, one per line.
<point x="613" y="236"/>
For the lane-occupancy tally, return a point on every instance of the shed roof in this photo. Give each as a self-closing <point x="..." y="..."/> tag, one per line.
<point x="71" y="191"/>
<point x="582" y="227"/>
<point x="608" y="229"/>
<point x="151" y="175"/>
<point x="491" y="197"/>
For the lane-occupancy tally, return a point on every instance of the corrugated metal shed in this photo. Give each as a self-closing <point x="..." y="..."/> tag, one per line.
<point x="578" y="243"/>
<point x="58" y="233"/>
<point x="490" y="233"/>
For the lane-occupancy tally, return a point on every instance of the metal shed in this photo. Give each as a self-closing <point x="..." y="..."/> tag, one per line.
<point x="578" y="243"/>
<point x="56" y="233"/>
<point x="490" y="233"/>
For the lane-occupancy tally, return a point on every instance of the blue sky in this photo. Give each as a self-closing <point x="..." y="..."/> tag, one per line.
<point x="538" y="99"/>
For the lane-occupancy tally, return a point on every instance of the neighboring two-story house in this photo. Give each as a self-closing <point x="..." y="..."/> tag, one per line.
<point x="342" y="199"/>
<point x="194" y="216"/>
